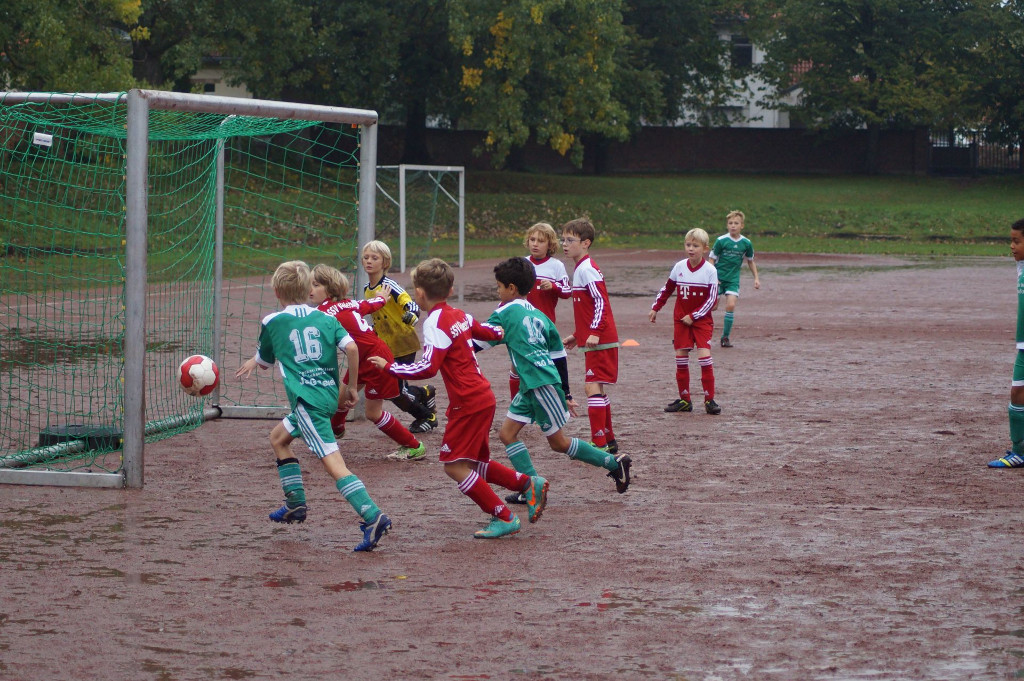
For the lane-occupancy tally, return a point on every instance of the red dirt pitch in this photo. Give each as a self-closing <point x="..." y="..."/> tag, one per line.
<point x="837" y="521"/>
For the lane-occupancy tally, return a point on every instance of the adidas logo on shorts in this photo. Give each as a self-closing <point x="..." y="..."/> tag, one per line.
<point x="444" y="448"/>
<point x="590" y="372"/>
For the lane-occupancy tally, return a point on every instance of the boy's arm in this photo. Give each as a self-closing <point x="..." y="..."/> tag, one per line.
<point x="486" y="332"/>
<point x="564" y="288"/>
<point x="412" y="310"/>
<point x="372" y="305"/>
<point x="352" y="354"/>
<point x="753" y="270"/>
<point x="663" y="295"/>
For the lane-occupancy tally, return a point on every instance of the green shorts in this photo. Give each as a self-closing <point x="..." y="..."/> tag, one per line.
<point x="729" y="287"/>
<point x="544" y="406"/>
<point x="314" y="427"/>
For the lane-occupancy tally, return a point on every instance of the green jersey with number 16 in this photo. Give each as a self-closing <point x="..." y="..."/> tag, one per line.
<point x="305" y="343"/>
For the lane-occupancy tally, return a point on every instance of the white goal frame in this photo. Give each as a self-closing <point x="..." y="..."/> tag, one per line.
<point x="139" y="103"/>
<point x="459" y="201"/>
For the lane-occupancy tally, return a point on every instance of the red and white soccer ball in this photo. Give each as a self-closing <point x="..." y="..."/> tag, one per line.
<point x="198" y="375"/>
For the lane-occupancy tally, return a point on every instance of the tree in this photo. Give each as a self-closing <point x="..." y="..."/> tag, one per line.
<point x="177" y="37"/>
<point x="873" y="63"/>
<point x="1000" y="97"/>
<point x="390" y="55"/>
<point x="558" y="70"/>
<point x="49" y="45"/>
<point x="680" y="40"/>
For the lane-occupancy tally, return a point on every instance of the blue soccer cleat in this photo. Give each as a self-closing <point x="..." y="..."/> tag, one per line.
<point x="536" y="497"/>
<point x="1011" y="460"/>
<point x="373" y="531"/>
<point x="287" y="514"/>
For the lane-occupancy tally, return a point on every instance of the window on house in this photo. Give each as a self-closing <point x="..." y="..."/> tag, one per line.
<point x="209" y="87"/>
<point x="742" y="52"/>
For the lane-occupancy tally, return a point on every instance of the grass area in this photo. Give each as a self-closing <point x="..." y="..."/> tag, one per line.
<point x="802" y="214"/>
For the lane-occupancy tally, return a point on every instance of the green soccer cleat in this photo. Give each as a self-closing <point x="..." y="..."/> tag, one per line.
<point x="499" y="528"/>
<point x="409" y="453"/>
<point x="536" y="497"/>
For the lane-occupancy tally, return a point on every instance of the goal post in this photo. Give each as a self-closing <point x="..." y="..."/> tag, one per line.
<point x="172" y="209"/>
<point x="424" y="204"/>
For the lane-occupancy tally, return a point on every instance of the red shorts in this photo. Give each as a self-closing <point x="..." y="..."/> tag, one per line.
<point x="696" y="336"/>
<point x="602" y="365"/>
<point x="377" y="384"/>
<point x="467" y="433"/>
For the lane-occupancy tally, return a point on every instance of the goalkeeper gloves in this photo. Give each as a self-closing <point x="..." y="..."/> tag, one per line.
<point x="410" y="318"/>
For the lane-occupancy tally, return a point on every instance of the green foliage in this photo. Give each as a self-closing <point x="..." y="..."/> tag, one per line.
<point x="877" y="62"/>
<point x="553" y="68"/>
<point x="49" y="45"/>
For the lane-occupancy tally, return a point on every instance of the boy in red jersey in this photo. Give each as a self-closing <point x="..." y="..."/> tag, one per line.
<point x="552" y="282"/>
<point x="695" y="282"/>
<point x="448" y="335"/>
<point x="329" y="294"/>
<point x="595" y="331"/>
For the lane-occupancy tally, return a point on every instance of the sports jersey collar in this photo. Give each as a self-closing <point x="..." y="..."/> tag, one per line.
<point x="699" y="265"/>
<point x="515" y="301"/>
<point x="580" y="261"/>
<point x="543" y="260"/>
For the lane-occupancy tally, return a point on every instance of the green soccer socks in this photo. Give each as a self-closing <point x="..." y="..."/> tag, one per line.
<point x="1016" y="412"/>
<point x="355" y="493"/>
<point x="727" y="324"/>
<point x="291" y="482"/>
<point x="588" y="453"/>
<point x="520" y="459"/>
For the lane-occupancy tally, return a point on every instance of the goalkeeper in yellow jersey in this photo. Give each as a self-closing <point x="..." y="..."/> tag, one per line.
<point x="395" y="324"/>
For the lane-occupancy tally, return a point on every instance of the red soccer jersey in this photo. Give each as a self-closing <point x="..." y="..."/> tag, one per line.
<point x="590" y="305"/>
<point x="448" y="335"/>
<point x="350" y="314"/>
<point x="696" y="289"/>
<point x="548" y="269"/>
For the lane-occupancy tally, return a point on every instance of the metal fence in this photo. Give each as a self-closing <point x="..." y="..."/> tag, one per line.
<point x="966" y="152"/>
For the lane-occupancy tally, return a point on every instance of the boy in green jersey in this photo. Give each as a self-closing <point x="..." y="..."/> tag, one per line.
<point x="538" y="356"/>
<point x="1015" y="455"/>
<point x="304" y="342"/>
<point x="727" y="255"/>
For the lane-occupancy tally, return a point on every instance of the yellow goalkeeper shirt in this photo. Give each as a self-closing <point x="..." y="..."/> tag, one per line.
<point x="387" y="321"/>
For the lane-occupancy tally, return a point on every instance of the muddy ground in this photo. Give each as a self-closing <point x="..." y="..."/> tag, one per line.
<point x="836" y="521"/>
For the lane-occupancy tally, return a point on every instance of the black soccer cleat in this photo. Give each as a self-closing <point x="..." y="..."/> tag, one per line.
<point x="621" y="474"/>
<point x="424" y="425"/>
<point x="726" y="343"/>
<point x="515" y="498"/>
<point x="612" y="447"/>
<point x="711" y="407"/>
<point x="680" y="405"/>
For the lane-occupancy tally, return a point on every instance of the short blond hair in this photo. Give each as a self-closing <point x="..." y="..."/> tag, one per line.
<point x="381" y="249"/>
<point x="549" y="233"/>
<point x="333" y="280"/>
<point x="435" y="277"/>
<point x="699" y="235"/>
<point x="736" y="214"/>
<point x="292" y="282"/>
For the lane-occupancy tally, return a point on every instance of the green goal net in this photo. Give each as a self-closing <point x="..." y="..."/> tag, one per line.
<point x="228" y="197"/>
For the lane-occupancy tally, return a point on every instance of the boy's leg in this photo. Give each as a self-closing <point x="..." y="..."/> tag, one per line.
<point x="290" y="475"/>
<point x="702" y="332"/>
<point x="597" y="403"/>
<point x="316" y="433"/>
<point x="1015" y="410"/>
<point x="730" y="307"/>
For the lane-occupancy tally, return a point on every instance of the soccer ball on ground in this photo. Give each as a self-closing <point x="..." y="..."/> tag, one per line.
<point x="198" y="375"/>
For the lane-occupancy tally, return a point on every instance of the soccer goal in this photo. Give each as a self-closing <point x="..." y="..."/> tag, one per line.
<point x="137" y="228"/>
<point x="422" y="208"/>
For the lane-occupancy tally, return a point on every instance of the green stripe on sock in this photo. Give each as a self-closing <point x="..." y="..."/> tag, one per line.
<point x="355" y="493"/>
<point x="291" y="482"/>
<point x="520" y="459"/>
